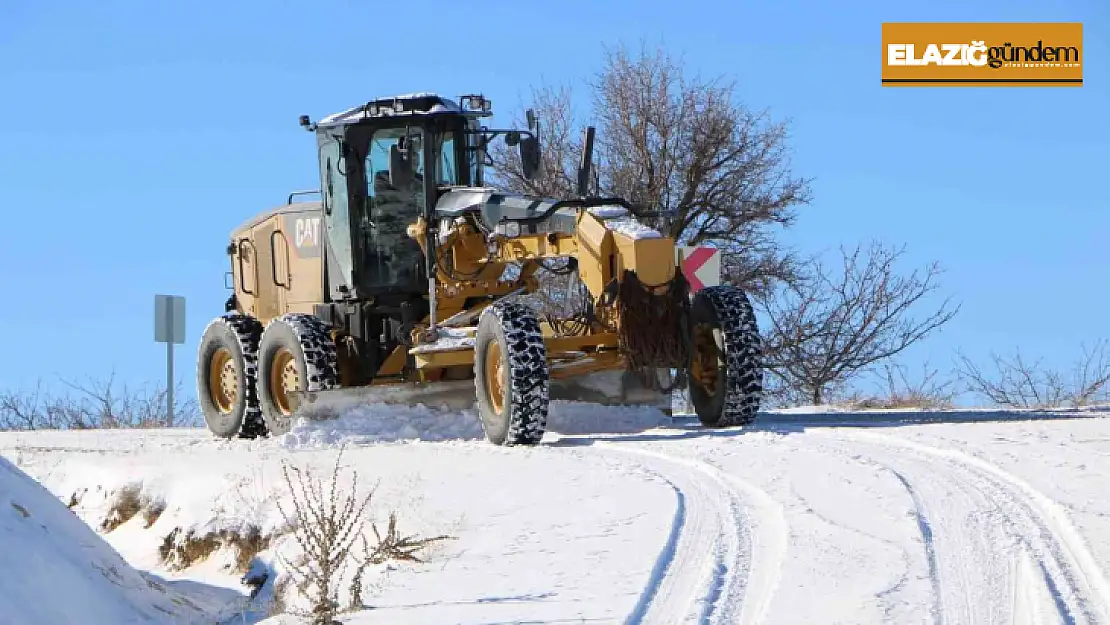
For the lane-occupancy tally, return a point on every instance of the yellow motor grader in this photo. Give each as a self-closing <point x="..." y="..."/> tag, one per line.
<point x="410" y="273"/>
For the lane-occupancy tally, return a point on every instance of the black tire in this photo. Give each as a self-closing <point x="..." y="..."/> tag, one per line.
<point x="305" y="342"/>
<point x="509" y="333"/>
<point x="728" y="393"/>
<point x="230" y="341"/>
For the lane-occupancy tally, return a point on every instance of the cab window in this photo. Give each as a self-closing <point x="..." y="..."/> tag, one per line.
<point x="390" y="257"/>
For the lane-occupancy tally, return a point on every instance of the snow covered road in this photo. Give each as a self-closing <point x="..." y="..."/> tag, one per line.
<point x="618" y="517"/>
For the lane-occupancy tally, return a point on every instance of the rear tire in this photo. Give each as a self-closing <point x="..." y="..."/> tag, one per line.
<point x="295" y="354"/>
<point x="511" y="375"/>
<point x="725" y="372"/>
<point x="226" y="372"/>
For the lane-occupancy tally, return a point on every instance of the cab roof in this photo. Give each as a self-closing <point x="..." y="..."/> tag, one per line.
<point x="407" y="104"/>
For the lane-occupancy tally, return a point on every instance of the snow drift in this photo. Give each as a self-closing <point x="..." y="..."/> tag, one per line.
<point x="361" y="423"/>
<point x="56" y="569"/>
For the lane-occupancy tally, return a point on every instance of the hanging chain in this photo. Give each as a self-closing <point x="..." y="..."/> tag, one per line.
<point x="653" y="327"/>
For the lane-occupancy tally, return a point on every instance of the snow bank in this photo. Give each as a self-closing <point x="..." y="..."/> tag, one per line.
<point x="363" y="423"/>
<point x="56" y="569"/>
<point x="379" y="422"/>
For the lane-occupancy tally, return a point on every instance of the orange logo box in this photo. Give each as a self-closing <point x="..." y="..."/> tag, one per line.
<point x="1023" y="54"/>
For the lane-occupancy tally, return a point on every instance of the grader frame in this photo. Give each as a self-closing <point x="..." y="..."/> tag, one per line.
<point x="363" y="289"/>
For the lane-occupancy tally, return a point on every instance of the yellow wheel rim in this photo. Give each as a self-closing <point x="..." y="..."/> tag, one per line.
<point x="706" y="364"/>
<point x="495" y="377"/>
<point x="223" y="381"/>
<point x="284" y="380"/>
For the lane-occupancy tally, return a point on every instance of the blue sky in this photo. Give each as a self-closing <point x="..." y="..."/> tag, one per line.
<point x="135" y="135"/>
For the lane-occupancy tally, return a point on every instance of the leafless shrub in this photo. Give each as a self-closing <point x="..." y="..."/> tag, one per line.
<point x="94" y="405"/>
<point x="682" y="145"/>
<point x="325" y="527"/>
<point x="897" y="391"/>
<point x="326" y="523"/>
<point x="830" y="327"/>
<point x="397" y="546"/>
<point x="1015" y="382"/>
<point x="392" y="546"/>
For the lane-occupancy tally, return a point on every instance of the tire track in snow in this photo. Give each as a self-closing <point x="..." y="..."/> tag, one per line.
<point x="724" y="566"/>
<point x="666" y="555"/>
<point x="1062" y="564"/>
<point x="1034" y="590"/>
<point x="926" y="529"/>
<point x="768" y="535"/>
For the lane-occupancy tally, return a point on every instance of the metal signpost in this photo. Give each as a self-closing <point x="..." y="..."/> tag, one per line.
<point x="169" y="328"/>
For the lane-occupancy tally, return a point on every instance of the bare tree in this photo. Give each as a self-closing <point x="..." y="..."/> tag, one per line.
<point x="829" y="327"/>
<point x="93" y="405"/>
<point x="562" y="147"/>
<point x="1018" y="383"/>
<point x="684" y="146"/>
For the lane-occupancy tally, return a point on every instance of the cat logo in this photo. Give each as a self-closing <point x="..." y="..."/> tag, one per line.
<point x="307" y="232"/>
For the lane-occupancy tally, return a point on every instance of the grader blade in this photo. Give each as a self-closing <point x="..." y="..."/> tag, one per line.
<point x="612" y="388"/>
<point x="607" y="388"/>
<point x="452" y="395"/>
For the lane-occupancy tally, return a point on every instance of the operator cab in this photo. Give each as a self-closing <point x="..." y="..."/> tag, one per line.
<point x="385" y="164"/>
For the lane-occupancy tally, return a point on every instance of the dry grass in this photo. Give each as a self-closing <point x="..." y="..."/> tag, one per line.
<point x="126" y="504"/>
<point x="899" y="391"/>
<point x="95" y="405"/>
<point x="907" y="402"/>
<point x="182" y="550"/>
<point x="153" y="507"/>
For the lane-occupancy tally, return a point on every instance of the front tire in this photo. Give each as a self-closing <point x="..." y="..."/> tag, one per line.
<point x="296" y="354"/>
<point x="725" y="372"/>
<point x="511" y="375"/>
<point x="226" y="374"/>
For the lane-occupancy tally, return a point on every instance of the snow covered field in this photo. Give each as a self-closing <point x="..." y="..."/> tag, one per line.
<point x="619" y="517"/>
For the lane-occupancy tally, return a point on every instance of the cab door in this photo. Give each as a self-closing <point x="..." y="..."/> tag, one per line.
<point x="392" y="260"/>
<point x="338" y="253"/>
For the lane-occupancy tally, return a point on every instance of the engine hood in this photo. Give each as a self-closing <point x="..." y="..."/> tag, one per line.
<point x="493" y="205"/>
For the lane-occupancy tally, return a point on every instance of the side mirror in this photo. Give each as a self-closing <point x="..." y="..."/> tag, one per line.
<point x="530" y="156"/>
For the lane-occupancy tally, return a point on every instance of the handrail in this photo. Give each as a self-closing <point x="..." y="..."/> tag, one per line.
<point x="273" y="258"/>
<point x="242" y="274"/>
<point x="296" y="193"/>
<point x="587" y="202"/>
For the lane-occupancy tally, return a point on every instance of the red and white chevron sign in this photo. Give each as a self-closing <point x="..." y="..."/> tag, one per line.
<point x="701" y="266"/>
